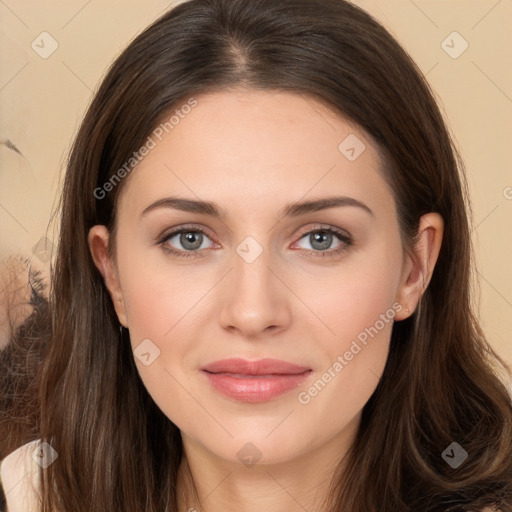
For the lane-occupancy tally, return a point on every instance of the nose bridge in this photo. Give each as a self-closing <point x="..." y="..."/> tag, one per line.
<point x="254" y="298"/>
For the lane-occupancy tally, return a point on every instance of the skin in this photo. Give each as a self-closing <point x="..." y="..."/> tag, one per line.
<point x="252" y="153"/>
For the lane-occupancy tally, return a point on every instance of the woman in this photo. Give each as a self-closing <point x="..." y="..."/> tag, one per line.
<point x="261" y="293"/>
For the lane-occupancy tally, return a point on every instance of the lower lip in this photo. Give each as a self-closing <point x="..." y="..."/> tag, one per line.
<point x="255" y="388"/>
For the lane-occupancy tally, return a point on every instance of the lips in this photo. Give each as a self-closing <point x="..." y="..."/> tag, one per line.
<point x="255" y="381"/>
<point x="243" y="367"/>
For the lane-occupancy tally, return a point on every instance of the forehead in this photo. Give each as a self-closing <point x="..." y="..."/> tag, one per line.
<point x="257" y="150"/>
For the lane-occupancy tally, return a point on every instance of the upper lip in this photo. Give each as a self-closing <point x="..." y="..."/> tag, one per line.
<point x="258" y="367"/>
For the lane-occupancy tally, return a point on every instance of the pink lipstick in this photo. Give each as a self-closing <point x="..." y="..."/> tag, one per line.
<point x="255" y="381"/>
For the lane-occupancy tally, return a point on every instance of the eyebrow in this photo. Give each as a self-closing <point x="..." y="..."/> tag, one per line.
<point x="290" y="210"/>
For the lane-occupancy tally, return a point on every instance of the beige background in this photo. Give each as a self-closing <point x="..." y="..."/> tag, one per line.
<point x="43" y="100"/>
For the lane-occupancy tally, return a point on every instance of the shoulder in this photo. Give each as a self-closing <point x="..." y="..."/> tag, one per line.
<point x="19" y="475"/>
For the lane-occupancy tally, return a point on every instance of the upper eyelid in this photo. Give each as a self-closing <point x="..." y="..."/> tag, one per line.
<point x="176" y="231"/>
<point x="325" y="227"/>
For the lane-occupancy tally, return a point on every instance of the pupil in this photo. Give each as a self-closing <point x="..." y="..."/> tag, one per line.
<point x="317" y="238"/>
<point x="188" y="238"/>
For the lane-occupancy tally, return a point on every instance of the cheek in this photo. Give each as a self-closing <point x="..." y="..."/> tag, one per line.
<point x="357" y="307"/>
<point x="159" y="303"/>
<point x="352" y="297"/>
<point x="354" y="360"/>
<point x="166" y="304"/>
<point x="158" y="294"/>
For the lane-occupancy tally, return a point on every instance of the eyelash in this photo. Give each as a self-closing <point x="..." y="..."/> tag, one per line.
<point x="341" y="235"/>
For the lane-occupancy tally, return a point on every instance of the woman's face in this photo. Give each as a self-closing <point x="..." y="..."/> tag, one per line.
<point x="314" y="286"/>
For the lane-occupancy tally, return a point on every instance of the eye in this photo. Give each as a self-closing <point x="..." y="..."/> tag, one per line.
<point x="185" y="242"/>
<point x="322" y="238"/>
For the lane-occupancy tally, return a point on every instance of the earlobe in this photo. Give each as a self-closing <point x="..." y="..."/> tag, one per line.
<point x="419" y="265"/>
<point x="98" y="240"/>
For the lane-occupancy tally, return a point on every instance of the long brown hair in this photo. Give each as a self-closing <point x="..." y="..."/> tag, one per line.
<point x="117" y="450"/>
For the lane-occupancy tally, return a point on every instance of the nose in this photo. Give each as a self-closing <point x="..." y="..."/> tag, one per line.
<point x="255" y="300"/>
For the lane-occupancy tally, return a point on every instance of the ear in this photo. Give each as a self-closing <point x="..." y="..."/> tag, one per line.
<point x="98" y="240"/>
<point x="419" y="265"/>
